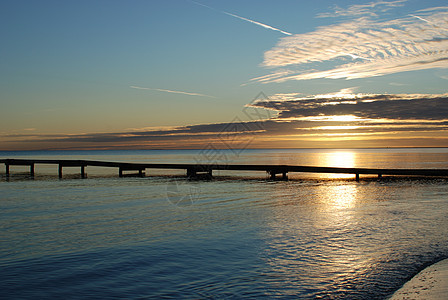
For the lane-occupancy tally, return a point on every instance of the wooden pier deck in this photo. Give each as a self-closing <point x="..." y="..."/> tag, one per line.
<point x="195" y="170"/>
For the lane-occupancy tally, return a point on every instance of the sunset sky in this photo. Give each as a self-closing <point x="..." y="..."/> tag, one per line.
<point x="163" y="74"/>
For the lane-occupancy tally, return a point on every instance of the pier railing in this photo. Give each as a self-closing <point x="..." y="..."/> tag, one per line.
<point x="195" y="170"/>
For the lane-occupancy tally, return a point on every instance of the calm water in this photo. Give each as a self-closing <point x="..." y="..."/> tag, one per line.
<point x="314" y="236"/>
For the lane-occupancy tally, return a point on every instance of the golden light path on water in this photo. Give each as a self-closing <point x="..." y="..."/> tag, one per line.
<point x="324" y="235"/>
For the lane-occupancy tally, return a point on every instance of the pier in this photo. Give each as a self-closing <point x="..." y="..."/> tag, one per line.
<point x="206" y="170"/>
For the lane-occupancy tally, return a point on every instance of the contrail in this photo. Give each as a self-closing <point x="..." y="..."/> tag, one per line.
<point x="258" y="23"/>
<point x="424" y="20"/>
<point x="420" y="18"/>
<point x="171" y="91"/>
<point x="244" y="19"/>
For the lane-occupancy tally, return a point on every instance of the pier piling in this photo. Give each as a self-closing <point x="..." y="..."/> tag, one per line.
<point x="83" y="171"/>
<point x="25" y="163"/>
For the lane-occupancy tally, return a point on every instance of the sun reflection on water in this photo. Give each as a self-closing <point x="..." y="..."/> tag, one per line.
<point x="345" y="159"/>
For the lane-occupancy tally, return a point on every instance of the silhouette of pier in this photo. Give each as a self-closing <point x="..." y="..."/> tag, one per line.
<point x="206" y="170"/>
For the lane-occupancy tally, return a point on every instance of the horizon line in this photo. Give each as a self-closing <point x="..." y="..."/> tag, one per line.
<point x="262" y="148"/>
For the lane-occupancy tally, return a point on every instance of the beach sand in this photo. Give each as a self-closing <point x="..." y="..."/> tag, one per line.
<point x="430" y="283"/>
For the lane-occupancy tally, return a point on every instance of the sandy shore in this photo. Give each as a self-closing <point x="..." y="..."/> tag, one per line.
<point x="431" y="283"/>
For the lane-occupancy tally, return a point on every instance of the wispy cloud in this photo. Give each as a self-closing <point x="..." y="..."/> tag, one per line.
<point x="171" y="91"/>
<point x="370" y="9"/>
<point x="394" y="107"/>
<point x="375" y="48"/>
<point x="244" y="19"/>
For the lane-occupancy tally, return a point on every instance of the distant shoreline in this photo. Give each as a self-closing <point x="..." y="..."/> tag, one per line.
<point x="199" y="149"/>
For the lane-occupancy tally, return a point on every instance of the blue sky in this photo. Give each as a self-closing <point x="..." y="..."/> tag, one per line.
<point x="110" y="68"/>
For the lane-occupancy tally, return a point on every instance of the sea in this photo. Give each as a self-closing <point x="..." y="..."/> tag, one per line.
<point x="239" y="235"/>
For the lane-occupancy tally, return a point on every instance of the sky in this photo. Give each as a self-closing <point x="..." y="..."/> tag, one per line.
<point x="206" y="74"/>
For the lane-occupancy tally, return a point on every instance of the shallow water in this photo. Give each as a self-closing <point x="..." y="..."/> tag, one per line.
<point x="236" y="236"/>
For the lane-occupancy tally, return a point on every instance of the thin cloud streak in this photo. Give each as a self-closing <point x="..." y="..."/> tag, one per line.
<point x="355" y="71"/>
<point x="244" y="19"/>
<point x="170" y="91"/>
